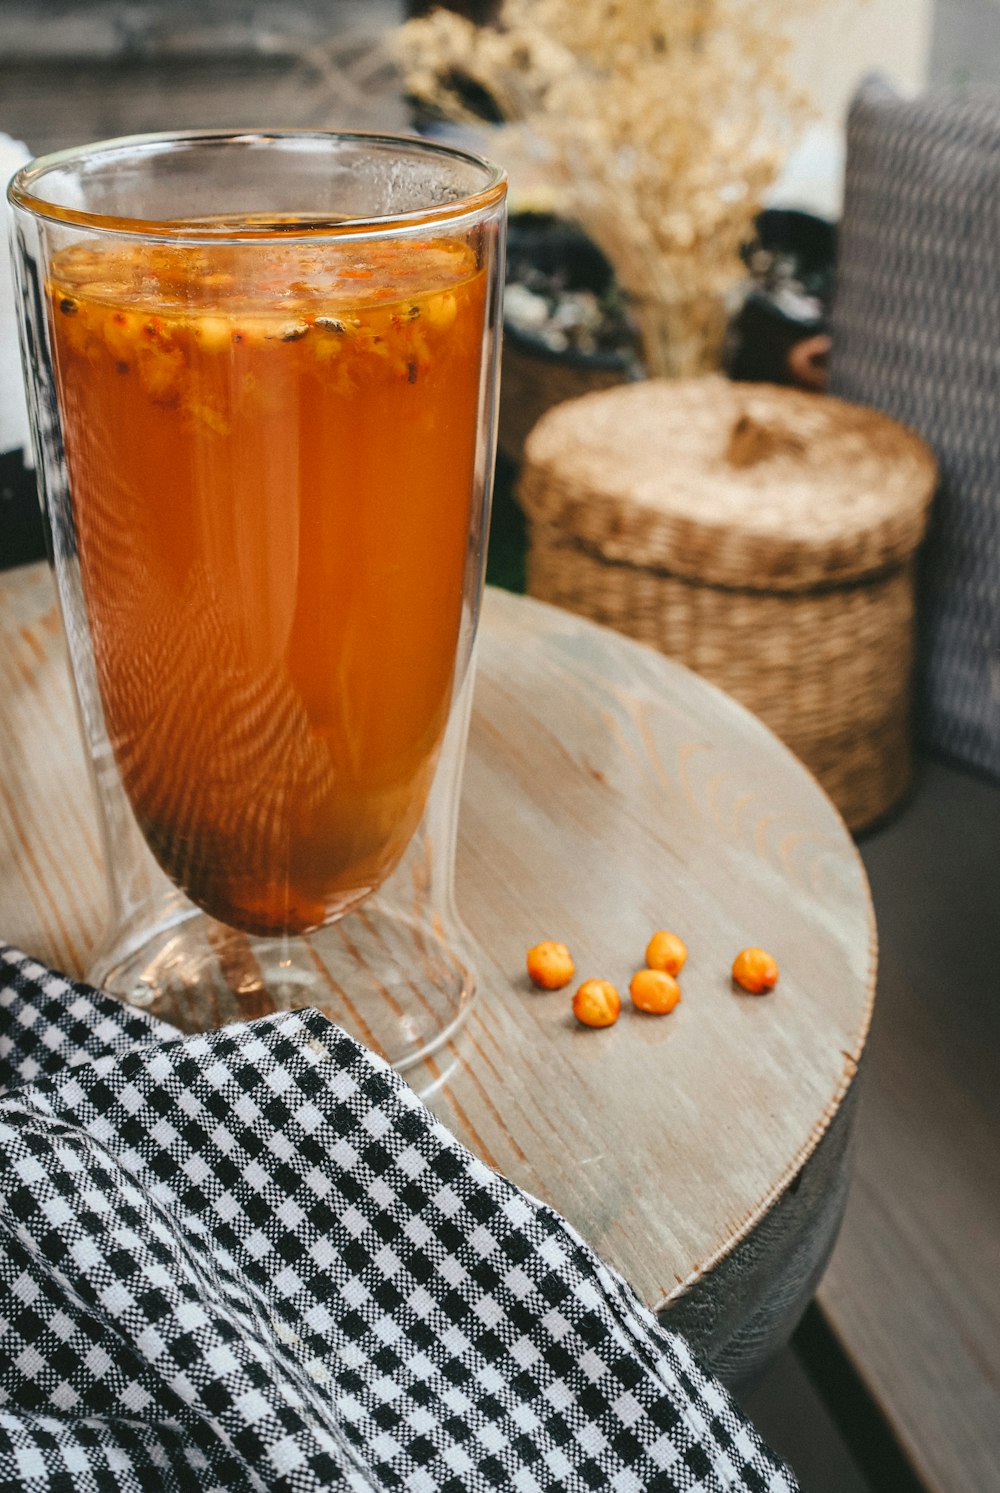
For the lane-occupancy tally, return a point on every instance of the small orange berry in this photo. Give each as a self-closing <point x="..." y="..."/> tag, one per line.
<point x="550" y="965"/>
<point x="655" y="991"/>
<point x="755" y="971"/>
<point x="667" y="952"/>
<point x="597" y="1003"/>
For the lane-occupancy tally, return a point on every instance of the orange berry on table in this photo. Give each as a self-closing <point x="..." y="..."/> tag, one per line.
<point x="550" y="965"/>
<point x="755" y="971"/>
<point x="655" y="991"/>
<point x="667" y="952"/>
<point x="597" y="1003"/>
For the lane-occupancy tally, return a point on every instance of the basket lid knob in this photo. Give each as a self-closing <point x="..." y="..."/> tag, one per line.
<point x="752" y="441"/>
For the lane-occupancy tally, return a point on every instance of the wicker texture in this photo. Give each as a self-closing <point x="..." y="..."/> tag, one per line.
<point x="533" y="381"/>
<point x="915" y="334"/>
<point x="762" y="536"/>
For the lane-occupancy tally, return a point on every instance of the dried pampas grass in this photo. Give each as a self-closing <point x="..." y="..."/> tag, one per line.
<point x="665" y="121"/>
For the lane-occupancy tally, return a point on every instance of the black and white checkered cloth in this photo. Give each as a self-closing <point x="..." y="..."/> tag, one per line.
<point x="254" y="1260"/>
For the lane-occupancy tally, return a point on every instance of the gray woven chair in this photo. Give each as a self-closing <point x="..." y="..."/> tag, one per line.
<point x="916" y="333"/>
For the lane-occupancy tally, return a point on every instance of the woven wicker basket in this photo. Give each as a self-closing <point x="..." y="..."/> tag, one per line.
<point x="764" y="537"/>
<point x="533" y="379"/>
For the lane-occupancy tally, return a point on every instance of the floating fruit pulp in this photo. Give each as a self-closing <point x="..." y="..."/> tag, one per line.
<point x="271" y="453"/>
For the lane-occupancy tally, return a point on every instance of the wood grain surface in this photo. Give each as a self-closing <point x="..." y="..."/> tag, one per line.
<point x="608" y="792"/>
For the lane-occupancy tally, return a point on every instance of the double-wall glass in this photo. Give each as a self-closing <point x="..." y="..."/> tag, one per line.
<point x="262" y="370"/>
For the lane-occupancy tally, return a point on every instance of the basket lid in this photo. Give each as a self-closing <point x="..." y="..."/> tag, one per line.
<point x="753" y="486"/>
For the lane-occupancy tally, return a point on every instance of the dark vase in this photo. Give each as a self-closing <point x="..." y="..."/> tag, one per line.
<point x="21" y="536"/>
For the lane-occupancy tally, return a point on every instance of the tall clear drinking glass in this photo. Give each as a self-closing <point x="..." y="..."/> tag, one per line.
<point x="262" y="371"/>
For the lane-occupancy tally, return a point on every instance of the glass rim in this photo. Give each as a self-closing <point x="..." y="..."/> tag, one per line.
<point x="21" y="193"/>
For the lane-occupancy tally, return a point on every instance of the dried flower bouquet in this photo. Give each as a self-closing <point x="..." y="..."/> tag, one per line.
<point x="664" y="121"/>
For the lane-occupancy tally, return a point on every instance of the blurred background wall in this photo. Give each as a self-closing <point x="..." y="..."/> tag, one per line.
<point x="72" y="70"/>
<point x="77" y="70"/>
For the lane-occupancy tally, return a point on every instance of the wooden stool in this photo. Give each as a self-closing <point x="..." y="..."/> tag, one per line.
<point x="608" y="792"/>
<point x="763" y="536"/>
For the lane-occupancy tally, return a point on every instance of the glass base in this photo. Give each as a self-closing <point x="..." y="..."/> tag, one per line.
<point x="396" y="985"/>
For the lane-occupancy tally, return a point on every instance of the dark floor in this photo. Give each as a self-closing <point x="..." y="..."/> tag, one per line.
<point x="794" y="1420"/>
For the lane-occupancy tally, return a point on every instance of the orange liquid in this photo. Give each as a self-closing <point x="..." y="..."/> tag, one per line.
<point x="272" y="483"/>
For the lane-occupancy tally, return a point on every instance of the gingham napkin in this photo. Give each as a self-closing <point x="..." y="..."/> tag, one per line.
<point x="254" y="1260"/>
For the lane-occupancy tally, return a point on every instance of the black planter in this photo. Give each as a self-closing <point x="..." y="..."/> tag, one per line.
<point x="22" y="538"/>
<point x="549" y="255"/>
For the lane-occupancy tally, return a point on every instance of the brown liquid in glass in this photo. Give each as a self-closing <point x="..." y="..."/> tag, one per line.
<point x="272" y="482"/>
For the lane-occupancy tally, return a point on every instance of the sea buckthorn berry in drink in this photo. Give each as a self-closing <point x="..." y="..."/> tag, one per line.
<point x="667" y="952"/>
<point x="755" y="971"/>
<point x="597" y="1003"/>
<point x="550" y="965"/>
<point x="655" y="991"/>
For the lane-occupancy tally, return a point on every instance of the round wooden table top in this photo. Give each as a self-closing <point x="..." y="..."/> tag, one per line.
<point x="608" y="792"/>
